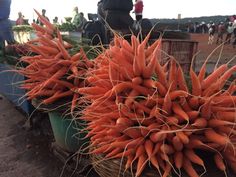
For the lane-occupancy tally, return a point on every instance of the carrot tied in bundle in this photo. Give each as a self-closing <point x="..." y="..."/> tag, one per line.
<point x="145" y="113"/>
<point x="53" y="74"/>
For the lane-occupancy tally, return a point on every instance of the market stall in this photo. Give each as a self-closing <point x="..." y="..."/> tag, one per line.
<point x="137" y="108"/>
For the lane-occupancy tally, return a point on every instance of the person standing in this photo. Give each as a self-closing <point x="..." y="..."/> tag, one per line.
<point x="229" y="30"/>
<point x="44" y="15"/>
<point x="211" y="32"/>
<point x="55" y="21"/>
<point x="138" y="10"/>
<point x="6" y="34"/>
<point x="234" y="33"/>
<point x="118" y="13"/>
<point x="82" y="20"/>
<point x="76" y="17"/>
<point x="221" y="31"/>
<point x="100" y="11"/>
<point x="20" y="19"/>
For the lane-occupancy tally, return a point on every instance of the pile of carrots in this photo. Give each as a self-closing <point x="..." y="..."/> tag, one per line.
<point x="144" y="113"/>
<point x="52" y="73"/>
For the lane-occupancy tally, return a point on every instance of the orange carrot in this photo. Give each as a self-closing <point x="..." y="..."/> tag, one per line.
<point x="219" y="162"/>
<point x="214" y="76"/>
<point x="187" y="166"/>
<point x="193" y="157"/>
<point x="215" y="137"/>
<point x="177" y="143"/>
<point x="183" y="137"/>
<point x="142" y="160"/>
<point x="179" y="111"/>
<point x="149" y="146"/>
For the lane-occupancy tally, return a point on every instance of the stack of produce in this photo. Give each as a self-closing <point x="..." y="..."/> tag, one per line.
<point x="52" y="73"/>
<point x="144" y="113"/>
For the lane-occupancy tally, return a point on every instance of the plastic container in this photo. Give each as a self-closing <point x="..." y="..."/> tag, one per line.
<point x="9" y="87"/>
<point x="68" y="133"/>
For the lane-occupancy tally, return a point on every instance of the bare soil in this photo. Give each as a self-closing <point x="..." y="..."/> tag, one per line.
<point x="224" y="53"/>
<point x="24" y="153"/>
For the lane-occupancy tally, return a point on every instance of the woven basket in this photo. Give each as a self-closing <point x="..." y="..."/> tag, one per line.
<point x="108" y="168"/>
<point x="112" y="167"/>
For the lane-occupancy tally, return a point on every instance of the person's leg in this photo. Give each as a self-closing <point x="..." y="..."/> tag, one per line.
<point x="138" y="17"/>
<point x="126" y="20"/>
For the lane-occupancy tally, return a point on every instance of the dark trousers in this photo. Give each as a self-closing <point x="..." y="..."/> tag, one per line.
<point x="119" y="20"/>
<point x="138" y="17"/>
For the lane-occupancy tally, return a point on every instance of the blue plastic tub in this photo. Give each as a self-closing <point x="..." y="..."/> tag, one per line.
<point x="9" y="87"/>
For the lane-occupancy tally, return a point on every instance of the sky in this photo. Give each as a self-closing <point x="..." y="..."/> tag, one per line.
<point x="152" y="8"/>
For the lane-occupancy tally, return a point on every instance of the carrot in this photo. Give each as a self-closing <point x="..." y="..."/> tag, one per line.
<point x="215" y="137"/>
<point x="41" y="29"/>
<point x="45" y="21"/>
<point x="177" y="143"/>
<point x="167" y="149"/>
<point x="192" y="114"/>
<point x="149" y="83"/>
<point x="137" y="80"/>
<point x="157" y="137"/>
<point x="179" y="111"/>
<point x="167" y="103"/>
<point x="161" y="75"/>
<point x="149" y="69"/>
<point x="134" y="43"/>
<point x="64" y="52"/>
<point x="200" y="123"/>
<point x="142" y="107"/>
<point x="214" y="76"/>
<point x="173" y="75"/>
<point x="131" y="98"/>
<point x="226" y="115"/>
<point x="136" y="68"/>
<point x="37" y="50"/>
<point x="124" y="121"/>
<point x="219" y="162"/>
<point x="196" y="85"/>
<point x="193" y="157"/>
<point x="226" y="76"/>
<point x="127" y="46"/>
<point x="181" y="82"/>
<point x="177" y="94"/>
<point x="155" y="163"/>
<point x="206" y="109"/>
<point x="178" y="159"/>
<point x="114" y="152"/>
<point x="183" y="137"/>
<point x="132" y="132"/>
<point x="142" y="160"/>
<point x="225" y="100"/>
<point x="167" y="170"/>
<point x="149" y="146"/>
<point x="56" y="96"/>
<point x="129" y="161"/>
<point x="49" y="50"/>
<point x="217" y="123"/>
<point x="155" y="46"/>
<point x="184" y="104"/>
<point x="187" y="166"/>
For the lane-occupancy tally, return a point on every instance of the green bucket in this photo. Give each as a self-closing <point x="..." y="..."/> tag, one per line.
<point x="68" y="133"/>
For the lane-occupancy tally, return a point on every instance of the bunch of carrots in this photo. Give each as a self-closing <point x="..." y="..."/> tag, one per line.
<point x="144" y="113"/>
<point x="52" y="73"/>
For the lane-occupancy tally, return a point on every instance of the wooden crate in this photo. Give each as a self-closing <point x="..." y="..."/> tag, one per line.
<point x="182" y="50"/>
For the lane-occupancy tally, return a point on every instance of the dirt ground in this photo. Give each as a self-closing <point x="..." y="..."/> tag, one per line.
<point x="225" y="53"/>
<point x="24" y="153"/>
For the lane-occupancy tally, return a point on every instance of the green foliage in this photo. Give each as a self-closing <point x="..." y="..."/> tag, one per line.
<point x="22" y="28"/>
<point x="67" y="27"/>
